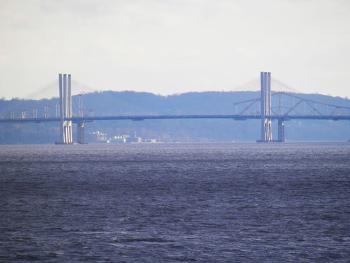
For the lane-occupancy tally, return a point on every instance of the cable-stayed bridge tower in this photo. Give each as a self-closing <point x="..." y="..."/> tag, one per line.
<point x="265" y="104"/>
<point x="65" y="92"/>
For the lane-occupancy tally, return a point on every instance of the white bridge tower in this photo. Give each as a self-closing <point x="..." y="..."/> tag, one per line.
<point x="265" y="103"/>
<point x="65" y="90"/>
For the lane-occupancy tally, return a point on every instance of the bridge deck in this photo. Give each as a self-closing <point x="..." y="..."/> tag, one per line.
<point x="182" y="116"/>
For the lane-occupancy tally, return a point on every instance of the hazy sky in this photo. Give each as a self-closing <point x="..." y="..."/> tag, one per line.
<point x="174" y="46"/>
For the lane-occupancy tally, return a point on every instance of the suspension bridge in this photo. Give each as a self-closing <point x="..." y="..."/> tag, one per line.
<point x="279" y="106"/>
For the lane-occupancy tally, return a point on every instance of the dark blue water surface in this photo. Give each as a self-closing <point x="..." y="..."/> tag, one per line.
<point x="175" y="203"/>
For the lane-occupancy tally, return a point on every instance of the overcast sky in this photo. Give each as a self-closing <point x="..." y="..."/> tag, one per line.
<point x="174" y="46"/>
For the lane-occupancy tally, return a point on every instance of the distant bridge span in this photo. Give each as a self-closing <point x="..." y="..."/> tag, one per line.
<point x="266" y="114"/>
<point x="181" y="116"/>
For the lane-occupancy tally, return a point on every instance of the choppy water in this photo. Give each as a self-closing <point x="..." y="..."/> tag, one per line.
<point x="175" y="203"/>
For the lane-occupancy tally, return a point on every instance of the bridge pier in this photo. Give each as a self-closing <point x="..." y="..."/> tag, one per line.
<point x="281" y="134"/>
<point x="81" y="132"/>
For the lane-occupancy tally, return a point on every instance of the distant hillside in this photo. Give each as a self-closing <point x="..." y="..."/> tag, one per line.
<point x="110" y="102"/>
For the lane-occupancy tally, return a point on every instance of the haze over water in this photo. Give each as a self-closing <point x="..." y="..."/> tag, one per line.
<point x="175" y="203"/>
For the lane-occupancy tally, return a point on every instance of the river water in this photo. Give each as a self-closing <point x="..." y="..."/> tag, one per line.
<point x="175" y="203"/>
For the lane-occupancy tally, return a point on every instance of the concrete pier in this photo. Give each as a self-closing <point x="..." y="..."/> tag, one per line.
<point x="281" y="135"/>
<point x="81" y="132"/>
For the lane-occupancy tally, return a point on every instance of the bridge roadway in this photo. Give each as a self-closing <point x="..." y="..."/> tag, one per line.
<point x="181" y="116"/>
